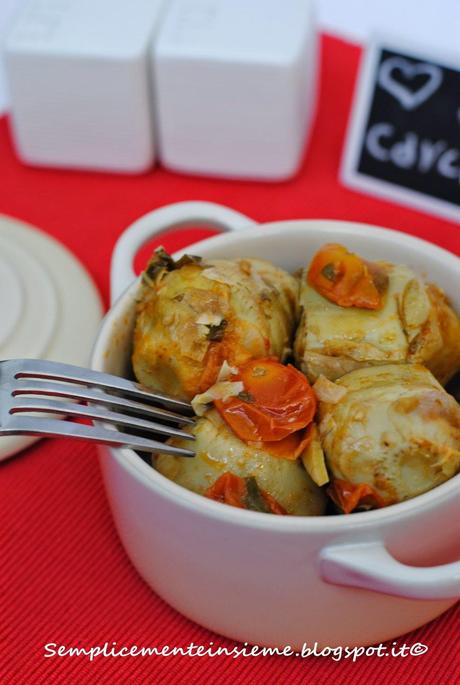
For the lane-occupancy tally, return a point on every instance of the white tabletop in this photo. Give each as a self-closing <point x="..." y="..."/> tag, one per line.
<point x="431" y="23"/>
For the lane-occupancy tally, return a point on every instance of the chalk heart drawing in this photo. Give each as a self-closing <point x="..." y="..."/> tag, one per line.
<point x="407" y="98"/>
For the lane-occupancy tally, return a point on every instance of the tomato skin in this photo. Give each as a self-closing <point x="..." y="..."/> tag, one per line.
<point x="228" y="489"/>
<point x="348" y="496"/>
<point x="278" y="402"/>
<point x="232" y="489"/>
<point x="292" y="446"/>
<point x="345" y="279"/>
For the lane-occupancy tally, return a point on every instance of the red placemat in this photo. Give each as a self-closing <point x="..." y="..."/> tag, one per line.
<point x="64" y="577"/>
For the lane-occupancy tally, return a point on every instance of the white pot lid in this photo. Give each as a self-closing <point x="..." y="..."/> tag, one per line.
<point x="49" y="306"/>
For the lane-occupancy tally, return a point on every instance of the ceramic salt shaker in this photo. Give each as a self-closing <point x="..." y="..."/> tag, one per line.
<point x="79" y="86"/>
<point x="235" y="86"/>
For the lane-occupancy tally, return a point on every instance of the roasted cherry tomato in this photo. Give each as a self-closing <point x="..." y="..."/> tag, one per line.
<point x="277" y="401"/>
<point x="348" y="496"/>
<point x="345" y="279"/>
<point x="243" y="493"/>
<point x="292" y="446"/>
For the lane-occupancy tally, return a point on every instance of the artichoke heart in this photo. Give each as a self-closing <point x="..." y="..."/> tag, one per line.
<point x="396" y="430"/>
<point x="219" y="451"/>
<point x="193" y="315"/>
<point x="415" y="324"/>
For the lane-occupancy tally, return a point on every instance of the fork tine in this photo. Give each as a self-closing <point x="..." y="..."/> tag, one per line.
<point x="23" y="404"/>
<point x="31" y="425"/>
<point x="38" y="368"/>
<point x="59" y="389"/>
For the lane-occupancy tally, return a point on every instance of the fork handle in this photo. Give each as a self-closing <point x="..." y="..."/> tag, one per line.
<point x="178" y="215"/>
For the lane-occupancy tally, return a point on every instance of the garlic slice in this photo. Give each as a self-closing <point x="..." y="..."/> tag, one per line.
<point x="226" y="371"/>
<point x="222" y="390"/>
<point x="314" y="461"/>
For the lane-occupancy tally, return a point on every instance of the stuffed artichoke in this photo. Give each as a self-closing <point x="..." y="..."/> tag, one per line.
<point x="356" y="314"/>
<point x="390" y="433"/>
<point x="227" y="469"/>
<point x="192" y="315"/>
<point x="255" y="428"/>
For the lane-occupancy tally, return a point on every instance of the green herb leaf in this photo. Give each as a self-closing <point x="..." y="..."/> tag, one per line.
<point x="246" y="396"/>
<point x="162" y="261"/>
<point x="216" y="333"/>
<point x="254" y="499"/>
<point x="329" y="272"/>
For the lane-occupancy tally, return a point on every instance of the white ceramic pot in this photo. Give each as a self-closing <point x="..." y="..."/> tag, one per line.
<point x="268" y="580"/>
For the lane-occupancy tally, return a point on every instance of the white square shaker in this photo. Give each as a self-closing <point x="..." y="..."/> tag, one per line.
<point x="235" y="86"/>
<point x="79" y="83"/>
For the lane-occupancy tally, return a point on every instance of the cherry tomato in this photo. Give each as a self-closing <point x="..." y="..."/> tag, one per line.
<point x="292" y="446"/>
<point x="348" y="496"/>
<point x="277" y="401"/>
<point x="243" y="493"/>
<point x="345" y="279"/>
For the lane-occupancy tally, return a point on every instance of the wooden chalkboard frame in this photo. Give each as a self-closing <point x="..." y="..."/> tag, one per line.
<point x="362" y="101"/>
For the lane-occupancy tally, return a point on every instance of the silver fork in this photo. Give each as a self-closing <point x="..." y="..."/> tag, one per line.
<point x="28" y="385"/>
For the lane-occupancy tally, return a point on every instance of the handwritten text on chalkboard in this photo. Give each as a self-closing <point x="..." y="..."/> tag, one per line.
<point x="404" y="138"/>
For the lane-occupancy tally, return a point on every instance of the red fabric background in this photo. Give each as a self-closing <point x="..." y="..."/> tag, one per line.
<point x="64" y="576"/>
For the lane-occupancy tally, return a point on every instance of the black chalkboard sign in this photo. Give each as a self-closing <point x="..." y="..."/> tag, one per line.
<point x="404" y="136"/>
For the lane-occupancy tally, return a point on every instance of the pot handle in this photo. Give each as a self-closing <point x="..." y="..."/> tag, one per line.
<point x="180" y="214"/>
<point x="370" y="566"/>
